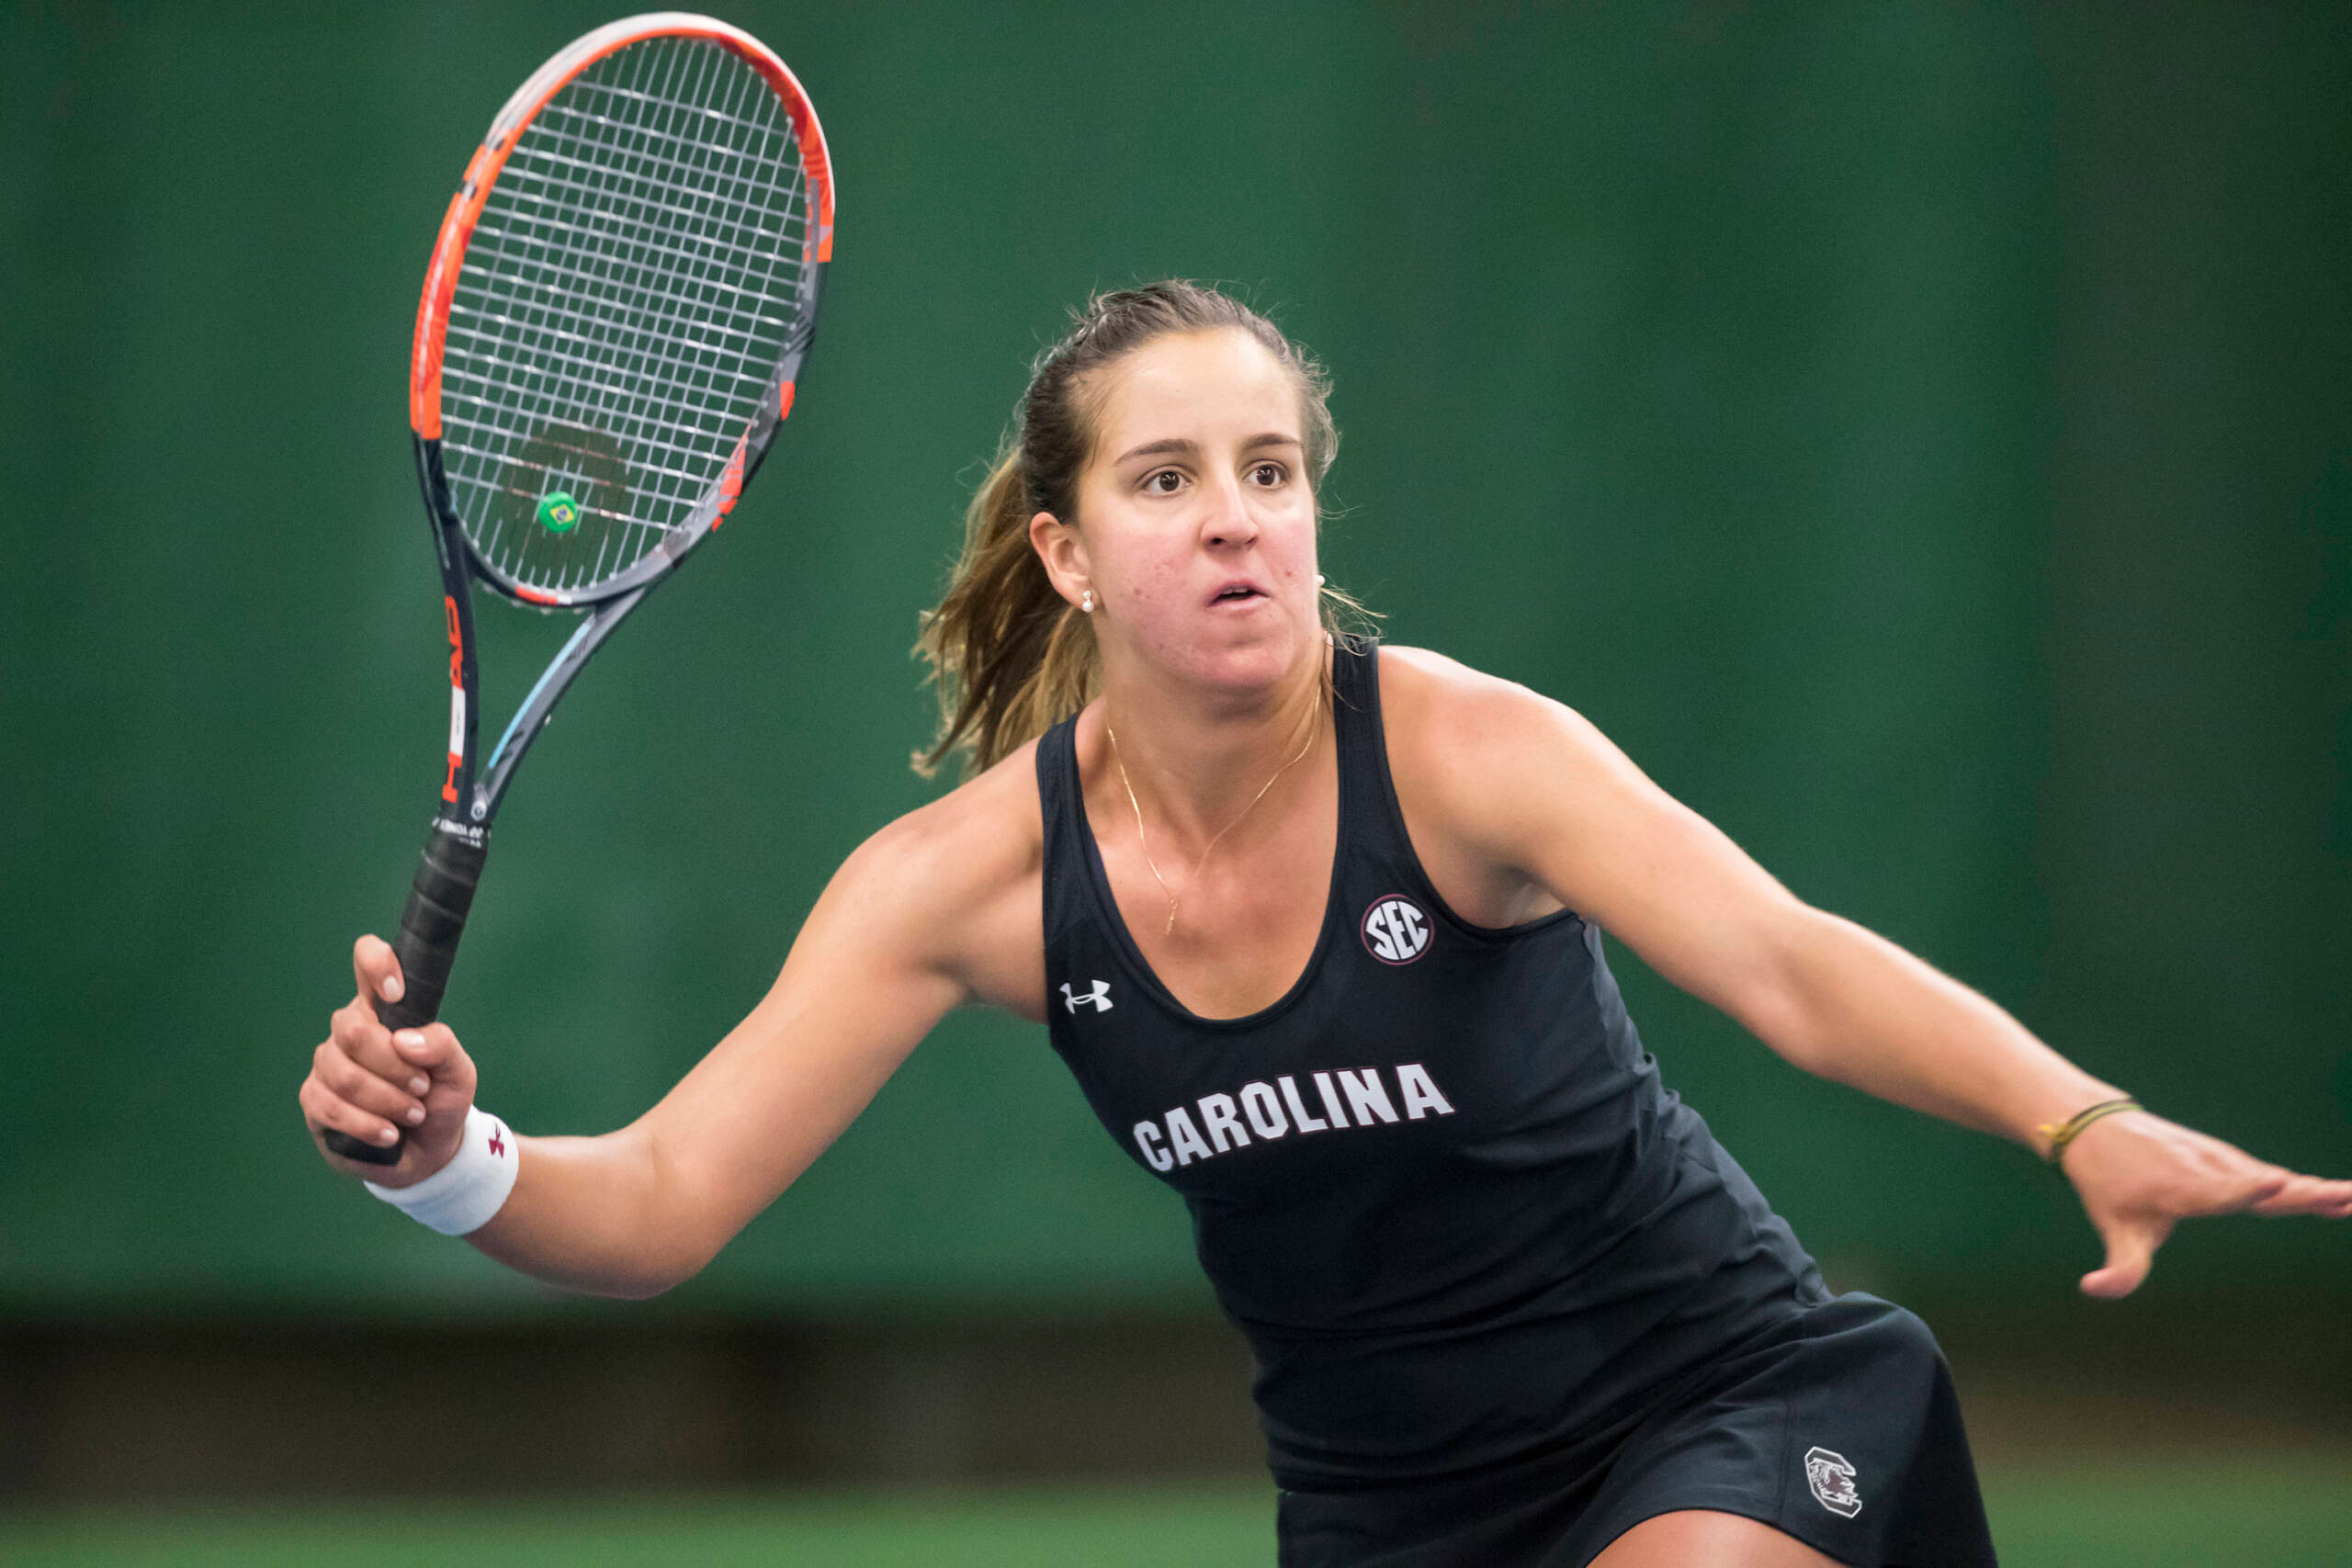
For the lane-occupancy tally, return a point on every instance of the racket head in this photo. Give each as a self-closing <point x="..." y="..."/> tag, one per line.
<point x="617" y="305"/>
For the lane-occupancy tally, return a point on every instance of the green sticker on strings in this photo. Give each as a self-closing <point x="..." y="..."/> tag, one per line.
<point x="558" y="514"/>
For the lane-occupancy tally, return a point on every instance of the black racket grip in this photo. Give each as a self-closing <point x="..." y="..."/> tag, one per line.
<point x="426" y="945"/>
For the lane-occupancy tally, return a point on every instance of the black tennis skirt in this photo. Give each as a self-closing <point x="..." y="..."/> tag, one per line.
<point x="1838" y="1426"/>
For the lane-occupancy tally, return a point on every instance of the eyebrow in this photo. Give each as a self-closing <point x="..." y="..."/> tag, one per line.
<point x="1177" y="446"/>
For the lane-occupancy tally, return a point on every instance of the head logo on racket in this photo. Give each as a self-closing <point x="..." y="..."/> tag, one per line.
<point x="1396" y="929"/>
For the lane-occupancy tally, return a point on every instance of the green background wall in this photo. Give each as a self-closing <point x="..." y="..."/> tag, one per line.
<point x="1919" y="433"/>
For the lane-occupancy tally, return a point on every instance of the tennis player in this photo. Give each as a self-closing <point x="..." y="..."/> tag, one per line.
<point x="1317" y="924"/>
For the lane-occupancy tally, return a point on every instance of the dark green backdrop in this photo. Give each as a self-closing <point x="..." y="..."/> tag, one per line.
<point x="1916" y="431"/>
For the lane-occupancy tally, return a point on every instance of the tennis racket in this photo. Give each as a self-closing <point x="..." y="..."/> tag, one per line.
<point x="611" y="325"/>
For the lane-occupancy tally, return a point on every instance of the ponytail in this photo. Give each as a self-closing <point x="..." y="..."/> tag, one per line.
<point x="1010" y="657"/>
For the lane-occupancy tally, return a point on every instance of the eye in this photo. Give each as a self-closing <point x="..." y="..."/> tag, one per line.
<point x="1268" y="475"/>
<point x="1163" y="481"/>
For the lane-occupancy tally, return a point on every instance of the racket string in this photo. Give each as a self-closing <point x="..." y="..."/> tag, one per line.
<point x="535" y="271"/>
<point x="543" y="162"/>
<point x="632" y="188"/>
<point x="634" y="277"/>
<point x="698" y="214"/>
<point x="510" y="256"/>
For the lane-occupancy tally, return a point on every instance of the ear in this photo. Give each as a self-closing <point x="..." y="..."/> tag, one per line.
<point x="1064" y="554"/>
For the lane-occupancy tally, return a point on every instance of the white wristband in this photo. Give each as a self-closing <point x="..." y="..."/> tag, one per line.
<point x="463" y="1195"/>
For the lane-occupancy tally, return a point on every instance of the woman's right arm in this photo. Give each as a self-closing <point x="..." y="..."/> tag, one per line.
<point x="929" y="913"/>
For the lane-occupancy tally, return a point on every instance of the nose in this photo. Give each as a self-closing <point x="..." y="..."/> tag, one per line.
<point x="1228" y="523"/>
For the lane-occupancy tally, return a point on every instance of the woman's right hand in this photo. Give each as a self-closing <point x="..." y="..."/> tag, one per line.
<point x="372" y="1083"/>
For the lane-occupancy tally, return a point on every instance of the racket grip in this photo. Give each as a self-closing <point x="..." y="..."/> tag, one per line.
<point x="426" y="945"/>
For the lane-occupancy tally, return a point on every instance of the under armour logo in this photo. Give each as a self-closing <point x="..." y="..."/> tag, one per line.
<point x="498" y="1140"/>
<point x="1099" y="999"/>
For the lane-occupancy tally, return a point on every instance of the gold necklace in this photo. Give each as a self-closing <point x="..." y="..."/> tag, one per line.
<point x="1313" y="729"/>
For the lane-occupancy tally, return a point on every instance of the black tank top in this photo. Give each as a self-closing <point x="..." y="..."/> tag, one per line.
<point x="1438" y="1183"/>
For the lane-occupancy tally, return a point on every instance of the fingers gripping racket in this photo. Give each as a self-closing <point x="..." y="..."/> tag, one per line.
<point x="612" y="321"/>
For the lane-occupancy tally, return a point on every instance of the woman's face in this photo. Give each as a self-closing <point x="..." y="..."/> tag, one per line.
<point x="1195" y="524"/>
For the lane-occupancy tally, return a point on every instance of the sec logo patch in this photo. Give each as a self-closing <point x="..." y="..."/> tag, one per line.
<point x="1396" y="929"/>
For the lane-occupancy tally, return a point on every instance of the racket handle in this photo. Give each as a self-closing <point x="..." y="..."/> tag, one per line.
<point x="427" y="944"/>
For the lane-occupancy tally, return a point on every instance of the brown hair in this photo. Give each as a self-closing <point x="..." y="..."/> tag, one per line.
<point x="1010" y="657"/>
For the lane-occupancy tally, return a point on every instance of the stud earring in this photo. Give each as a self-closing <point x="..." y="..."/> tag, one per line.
<point x="1086" y="602"/>
<point x="1318" y="579"/>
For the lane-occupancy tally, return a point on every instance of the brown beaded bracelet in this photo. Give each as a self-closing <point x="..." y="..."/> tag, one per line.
<point x="2060" y="1133"/>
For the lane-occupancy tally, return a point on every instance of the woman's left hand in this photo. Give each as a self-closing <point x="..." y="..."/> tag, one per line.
<point x="2138" y="1174"/>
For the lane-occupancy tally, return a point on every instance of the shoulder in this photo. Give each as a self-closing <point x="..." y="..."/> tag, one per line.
<point x="1491" y="758"/>
<point x="958" y="881"/>
<point x="1440" y="713"/>
<point x="1419" y="684"/>
<point x="963" y="846"/>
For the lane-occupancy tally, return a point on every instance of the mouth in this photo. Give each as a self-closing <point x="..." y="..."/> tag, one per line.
<point x="1236" y="593"/>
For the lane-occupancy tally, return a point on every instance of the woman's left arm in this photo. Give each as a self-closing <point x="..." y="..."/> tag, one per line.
<point x="1528" y="787"/>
